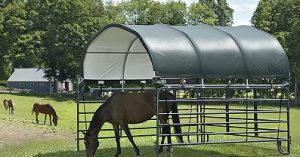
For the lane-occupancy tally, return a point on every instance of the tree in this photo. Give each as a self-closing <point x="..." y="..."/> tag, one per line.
<point x="223" y="13"/>
<point x="113" y="12"/>
<point x="70" y="23"/>
<point x="174" y="13"/>
<point x="49" y="34"/>
<point x="147" y="12"/>
<point x="144" y="12"/>
<point x="262" y="18"/>
<point x="12" y="25"/>
<point x="201" y="13"/>
<point x="281" y="18"/>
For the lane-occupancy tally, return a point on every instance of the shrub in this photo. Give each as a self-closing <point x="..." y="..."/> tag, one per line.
<point x="3" y="83"/>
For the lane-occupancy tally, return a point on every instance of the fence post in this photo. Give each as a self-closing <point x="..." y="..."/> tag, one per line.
<point x="296" y="92"/>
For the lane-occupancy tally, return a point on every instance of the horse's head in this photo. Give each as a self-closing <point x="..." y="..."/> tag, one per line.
<point x="55" y="121"/>
<point x="91" y="143"/>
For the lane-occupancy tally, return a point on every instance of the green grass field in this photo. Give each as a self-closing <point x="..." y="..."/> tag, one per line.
<point x="21" y="137"/>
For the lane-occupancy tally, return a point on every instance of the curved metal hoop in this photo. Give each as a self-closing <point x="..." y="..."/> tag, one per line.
<point x="280" y="150"/>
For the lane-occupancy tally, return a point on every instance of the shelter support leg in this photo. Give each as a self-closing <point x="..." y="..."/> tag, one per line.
<point x="255" y="112"/>
<point x="227" y="116"/>
<point x="227" y="111"/>
<point x="288" y="142"/>
<point x="157" y="123"/>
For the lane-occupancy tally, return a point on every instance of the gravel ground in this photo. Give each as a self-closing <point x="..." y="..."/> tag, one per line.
<point x="14" y="132"/>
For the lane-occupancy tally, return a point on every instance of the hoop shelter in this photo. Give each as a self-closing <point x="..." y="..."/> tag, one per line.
<point x="241" y="55"/>
<point x="138" y="52"/>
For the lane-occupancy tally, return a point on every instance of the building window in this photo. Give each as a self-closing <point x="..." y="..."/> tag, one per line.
<point x="21" y="84"/>
<point x="31" y="84"/>
<point x="42" y="84"/>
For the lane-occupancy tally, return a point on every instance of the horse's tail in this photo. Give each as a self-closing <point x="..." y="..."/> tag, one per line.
<point x="175" y="118"/>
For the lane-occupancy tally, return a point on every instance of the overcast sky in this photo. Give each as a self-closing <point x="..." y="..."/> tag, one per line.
<point x="243" y="9"/>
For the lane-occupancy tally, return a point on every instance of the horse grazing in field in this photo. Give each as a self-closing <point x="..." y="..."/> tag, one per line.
<point x="9" y="104"/>
<point x="130" y="108"/>
<point x="46" y="109"/>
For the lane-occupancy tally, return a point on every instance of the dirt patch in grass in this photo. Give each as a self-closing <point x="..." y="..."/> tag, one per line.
<point x="15" y="131"/>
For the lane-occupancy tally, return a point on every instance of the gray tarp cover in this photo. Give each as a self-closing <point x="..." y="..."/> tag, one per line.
<point x="136" y="52"/>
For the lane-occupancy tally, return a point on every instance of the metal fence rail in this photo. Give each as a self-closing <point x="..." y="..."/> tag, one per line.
<point x="202" y="122"/>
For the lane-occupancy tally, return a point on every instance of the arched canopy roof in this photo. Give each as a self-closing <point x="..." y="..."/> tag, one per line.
<point x="138" y="52"/>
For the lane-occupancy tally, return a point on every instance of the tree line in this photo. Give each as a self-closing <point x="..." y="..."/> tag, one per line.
<point x="281" y="18"/>
<point x="51" y="34"/>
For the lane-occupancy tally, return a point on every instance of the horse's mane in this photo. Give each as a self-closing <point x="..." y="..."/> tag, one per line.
<point x="95" y="119"/>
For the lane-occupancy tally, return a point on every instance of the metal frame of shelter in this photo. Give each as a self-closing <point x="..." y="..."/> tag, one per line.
<point x="207" y="92"/>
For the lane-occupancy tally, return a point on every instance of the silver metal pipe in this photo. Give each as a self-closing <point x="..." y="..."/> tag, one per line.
<point x="225" y="100"/>
<point x="224" y="142"/>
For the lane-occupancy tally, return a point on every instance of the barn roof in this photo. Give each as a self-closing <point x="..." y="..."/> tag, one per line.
<point x="27" y="75"/>
<point x="136" y="52"/>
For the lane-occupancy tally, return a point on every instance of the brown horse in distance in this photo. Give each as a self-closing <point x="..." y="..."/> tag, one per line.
<point x="9" y="104"/>
<point x="46" y="109"/>
<point x="122" y="109"/>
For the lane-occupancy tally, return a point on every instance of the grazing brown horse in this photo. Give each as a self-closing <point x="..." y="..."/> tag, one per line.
<point x="46" y="109"/>
<point x="9" y="104"/>
<point x="130" y="108"/>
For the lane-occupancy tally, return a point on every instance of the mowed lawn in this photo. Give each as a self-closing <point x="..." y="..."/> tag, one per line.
<point x="20" y="135"/>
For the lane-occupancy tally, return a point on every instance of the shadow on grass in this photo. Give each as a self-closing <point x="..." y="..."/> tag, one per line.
<point x="148" y="151"/>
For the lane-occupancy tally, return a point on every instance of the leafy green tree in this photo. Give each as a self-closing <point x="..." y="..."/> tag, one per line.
<point x="20" y="41"/>
<point x="70" y="23"/>
<point x="222" y="11"/>
<point x="113" y="12"/>
<point x="281" y="18"/>
<point x="2" y="33"/>
<point x="144" y="12"/>
<point x="262" y="18"/>
<point x="3" y="3"/>
<point x="293" y="37"/>
<point x="49" y="34"/>
<point x="149" y="12"/>
<point x="5" y="69"/>
<point x="174" y="13"/>
<point x="12" y="26"/>
<point x="201" y="13"/>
